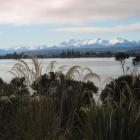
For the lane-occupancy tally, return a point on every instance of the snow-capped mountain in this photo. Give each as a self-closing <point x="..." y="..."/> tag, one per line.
<point x="29" y="48"/>
<point x="86" y="44"/>
<point x="120" y="41"/>
<point x="20" y="49"/>
<point x="98" y="42"/>
<point x="79" y="43"/>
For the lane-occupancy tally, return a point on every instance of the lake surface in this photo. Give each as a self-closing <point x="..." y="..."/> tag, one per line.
<point x="106" y="68"/>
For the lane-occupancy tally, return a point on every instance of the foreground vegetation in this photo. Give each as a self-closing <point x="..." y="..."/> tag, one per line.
<point x="54" y="106"/>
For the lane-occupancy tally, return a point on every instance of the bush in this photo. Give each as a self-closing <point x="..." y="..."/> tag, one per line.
<point x="72" y="95"/>
<point x="17" y="86"/>
<point x="127" y="86"/>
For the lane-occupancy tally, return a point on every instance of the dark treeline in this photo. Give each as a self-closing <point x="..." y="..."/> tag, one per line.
<point x="67" y="54"/>
<point x="77" y="54"/>
<point x="13" y="56"/>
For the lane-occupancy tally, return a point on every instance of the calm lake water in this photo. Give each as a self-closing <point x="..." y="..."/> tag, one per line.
<point x="106" y="68"/>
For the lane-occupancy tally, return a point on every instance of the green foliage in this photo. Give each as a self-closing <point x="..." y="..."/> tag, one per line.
<point x="135" y="63"/>
<point x="136" y="60"/>
<point x="127" y="86"/>
<point x="71" y="94"/>
<point x="17" y="86"/>
<point x="34" y="119"/>
<point x="121" y="57"/>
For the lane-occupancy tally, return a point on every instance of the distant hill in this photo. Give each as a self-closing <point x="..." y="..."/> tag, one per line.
<point x="97" y="45"/>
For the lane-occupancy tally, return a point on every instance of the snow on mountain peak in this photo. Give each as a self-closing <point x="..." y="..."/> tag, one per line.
<point x="78" y="43"/>
<point x="117" y="41"/>
<point x="98" y="42"/>
<point x="25" y="48"/>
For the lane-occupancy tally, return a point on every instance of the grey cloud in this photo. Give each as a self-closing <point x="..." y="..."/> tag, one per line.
<point x="66" y="11"/>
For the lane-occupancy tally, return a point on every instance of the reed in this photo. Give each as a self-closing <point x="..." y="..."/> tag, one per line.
<point x="109" y="123"/>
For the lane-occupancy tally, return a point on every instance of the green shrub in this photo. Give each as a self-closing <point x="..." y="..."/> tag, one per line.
<point x="127" y="86"/>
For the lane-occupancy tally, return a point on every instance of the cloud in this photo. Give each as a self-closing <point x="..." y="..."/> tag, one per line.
<point x="66" y="11"/>
<point x="116" y="29"/>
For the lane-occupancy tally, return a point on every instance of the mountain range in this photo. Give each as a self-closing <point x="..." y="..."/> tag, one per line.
<point x="99" y="42"/>
<point x="118" y="44"/>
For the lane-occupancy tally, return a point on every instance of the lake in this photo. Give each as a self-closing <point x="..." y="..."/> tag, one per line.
<point x="106" y="68"/>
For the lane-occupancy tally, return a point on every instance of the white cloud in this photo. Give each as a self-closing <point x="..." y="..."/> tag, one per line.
<point x="116" y="29"/>
<point x="66" y="11"/>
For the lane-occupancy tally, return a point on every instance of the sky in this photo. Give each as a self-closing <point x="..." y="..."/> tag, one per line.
<point x="49" y="22"/>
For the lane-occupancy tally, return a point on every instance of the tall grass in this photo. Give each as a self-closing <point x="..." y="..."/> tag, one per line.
<point x="34" y="118"/>
<point x="112" y="123"/>
<point x="22" y="69"/>
<point x="53" y="112"/>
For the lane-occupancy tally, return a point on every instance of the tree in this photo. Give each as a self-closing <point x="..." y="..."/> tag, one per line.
<point x="121" y="57"/>
<point x="135" y="62"/>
